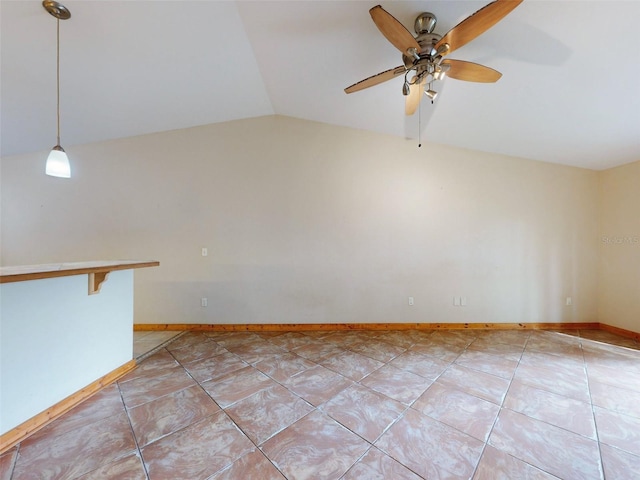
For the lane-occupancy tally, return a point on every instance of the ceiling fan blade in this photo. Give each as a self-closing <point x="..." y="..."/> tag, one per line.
<point x="376" y="79"/>
<point x="476" y="24"/>
<point x="415" y="95"/>
<point x="393" y="30"/>
<point x="471" y="72"/>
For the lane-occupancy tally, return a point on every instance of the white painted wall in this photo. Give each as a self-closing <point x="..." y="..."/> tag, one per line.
<point x="619" y="288"/>
<point x="306" y="223"/>
<point x="55" y="339"/>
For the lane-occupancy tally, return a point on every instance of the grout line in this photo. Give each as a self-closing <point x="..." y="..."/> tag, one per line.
<point x="14" y="460"/>
<point x="133" y="433"/>
<point x="593" y="412"/>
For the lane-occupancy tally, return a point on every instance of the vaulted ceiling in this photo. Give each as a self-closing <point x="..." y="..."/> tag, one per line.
<point x="570" y="91"/>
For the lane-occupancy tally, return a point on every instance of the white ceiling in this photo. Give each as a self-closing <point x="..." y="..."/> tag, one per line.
<point x="570" y="91"/>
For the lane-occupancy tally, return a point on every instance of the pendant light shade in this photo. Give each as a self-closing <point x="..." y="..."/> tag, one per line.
<point x="57" y="161"/>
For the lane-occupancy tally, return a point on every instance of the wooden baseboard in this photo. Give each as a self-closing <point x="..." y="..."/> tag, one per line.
<point x="620" y="331"/>
<point x="25" y="429"/>
<point x="277" y="327"/>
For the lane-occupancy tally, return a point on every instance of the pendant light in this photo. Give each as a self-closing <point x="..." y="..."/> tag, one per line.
<point x="57" y="162"/>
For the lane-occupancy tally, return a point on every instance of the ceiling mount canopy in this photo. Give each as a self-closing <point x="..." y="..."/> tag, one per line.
<point x="57" y="9"/>
<point x="57" y="161"/>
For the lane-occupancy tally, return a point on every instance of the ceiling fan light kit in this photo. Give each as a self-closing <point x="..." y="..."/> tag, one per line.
<point x="423" y="55"/>
<point x="57" y="162"/>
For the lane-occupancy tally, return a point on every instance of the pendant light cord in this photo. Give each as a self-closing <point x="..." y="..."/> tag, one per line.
<point x="58" y="78"/>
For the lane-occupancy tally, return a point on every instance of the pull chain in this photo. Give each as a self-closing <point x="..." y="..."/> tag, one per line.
<point x="420" y="124"/>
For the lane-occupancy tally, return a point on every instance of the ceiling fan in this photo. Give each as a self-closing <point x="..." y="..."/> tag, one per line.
<point x="424" y="55"/>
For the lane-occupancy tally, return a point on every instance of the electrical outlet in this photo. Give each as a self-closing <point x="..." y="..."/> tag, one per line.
<point x="205" y="252"/>
<point x="463" y="301"/>
<point x="568" y="301"/>
<point x="410" y="301"/>
<point x="456" y="301"/>
<point x="204" y="302"/>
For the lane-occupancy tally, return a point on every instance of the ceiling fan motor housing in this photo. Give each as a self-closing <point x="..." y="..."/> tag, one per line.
<point x="427" y="42"/>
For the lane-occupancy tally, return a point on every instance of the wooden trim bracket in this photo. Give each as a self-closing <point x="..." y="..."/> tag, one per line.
<point x="96" y="279"/>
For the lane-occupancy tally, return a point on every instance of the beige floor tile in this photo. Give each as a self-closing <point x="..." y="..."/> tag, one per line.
<point x="498" y="465"/>
<point x="213" y="368"/>
<point x="557" y="451"/>
<point x="554" y="381"/>
<point x="461" y="338"/>
<point x="257" y="351"/>
<point x="618" y="430"/>
<point x="75" y="452"/>
<point x="618" y="464"/>
<point x="616" y="358"/>
<point x="364" y="411"/>
<point x="424" y="365"/>
<point x="377" y="349"/>
<point x="290" y="340"/>
<point x="7" y="461"/>
<point x="158" y="364"/>
<point x="487" y="363"/>
<point x="252" y="466"/>
<point x="471" y="415"/>
<point x="317" y="385"/>
<point x="516" y="338"/>
<point x="557" y="410"/>
<point x="377" y="465"/>
<point x="282" y="367"/>
<point x="400" y="385"/>
<point x="430" y="448"/>
<point x="568" y="365"/>
<point x="403" y="338"/>
<point x="200" y="350"/>
<point x="317" y="350"/>
<point x="268" y="412"/>
<point x="165" y="415"/>
<point x="237" y="385"/>
<point x="103" y="404"/>
<point x="483" y="385"/>
<point x="130" y="468"/>
<point x="198" y="451"/>
<point x="189" y="339"/>
<point x="351" y="365"/>
<point x="434" y="348"/>
<point x="502" y="350"/>
<point x="144" y="389"/>
<point x="614" y="376"/>
<point x="315" y="447"/>
<point x="620" y="400"/>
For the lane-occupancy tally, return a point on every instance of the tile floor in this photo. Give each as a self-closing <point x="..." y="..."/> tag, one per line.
<point x="145" y="343"/>
<point x="356" y="405"/>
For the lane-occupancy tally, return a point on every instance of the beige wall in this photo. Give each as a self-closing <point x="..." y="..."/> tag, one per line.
<point x="306" y="223"/>
<point x="619" y="275"/>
